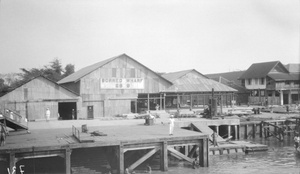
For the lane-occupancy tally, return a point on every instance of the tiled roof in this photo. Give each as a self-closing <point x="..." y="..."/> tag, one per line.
<point x="260" y="70"/>
<point x="85" y="71"/>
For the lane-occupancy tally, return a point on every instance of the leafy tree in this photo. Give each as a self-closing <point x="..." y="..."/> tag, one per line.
<point x="69" y="69"/>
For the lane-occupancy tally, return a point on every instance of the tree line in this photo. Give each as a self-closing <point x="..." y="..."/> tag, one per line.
<point x="53" y="71"/>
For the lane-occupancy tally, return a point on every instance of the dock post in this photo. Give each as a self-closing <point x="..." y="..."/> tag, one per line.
<point x="275" y="128"/>
<point x="12" y="161"/>
<point x="164" y="156"/>
<point x="121" y="158"/>
<point x="235" y="132"/>
<point x="253" y="130"/>
<point x="229" y="131"/>
<point x="261" y="129"/>
<point x="246" y="131"/>
<point x="217" y="129"/>
<point x="68" y="160"/>
<point x="203" y="153"/>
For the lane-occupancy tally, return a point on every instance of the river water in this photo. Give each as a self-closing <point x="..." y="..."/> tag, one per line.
<point x="280" y="158"/>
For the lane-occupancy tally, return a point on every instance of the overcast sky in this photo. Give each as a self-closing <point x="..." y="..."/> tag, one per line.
<point x="210" y="36"/>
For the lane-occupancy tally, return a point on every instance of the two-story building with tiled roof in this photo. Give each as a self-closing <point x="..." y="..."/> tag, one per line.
<point x="271" y="84"/>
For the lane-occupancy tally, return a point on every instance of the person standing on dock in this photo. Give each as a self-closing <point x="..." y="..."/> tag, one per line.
<point x="214" y="137"/>
<point x="48" y="113"/>
<point x="171" y="125"/>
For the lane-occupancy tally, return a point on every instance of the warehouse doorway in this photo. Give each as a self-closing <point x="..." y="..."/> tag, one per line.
<point x="67" y="110"/>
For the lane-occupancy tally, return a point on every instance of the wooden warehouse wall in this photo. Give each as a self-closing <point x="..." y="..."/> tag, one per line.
<point x="117" y="101"/>
<point x="37" y="95"/>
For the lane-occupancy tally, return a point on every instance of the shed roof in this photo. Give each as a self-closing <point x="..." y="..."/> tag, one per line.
<point x="85" y="71"/>
<point x="260" y="70"/>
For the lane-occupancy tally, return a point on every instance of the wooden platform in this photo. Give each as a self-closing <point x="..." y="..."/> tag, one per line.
<point x="61" y="142"/>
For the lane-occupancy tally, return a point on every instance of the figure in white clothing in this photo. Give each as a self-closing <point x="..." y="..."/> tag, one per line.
<point x="48" y="113"/>
<point x="171" y="125"/>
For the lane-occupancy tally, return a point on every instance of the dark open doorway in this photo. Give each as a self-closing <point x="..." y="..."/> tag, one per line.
<point x="67" y="110"/>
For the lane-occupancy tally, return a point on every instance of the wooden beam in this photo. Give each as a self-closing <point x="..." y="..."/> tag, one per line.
<point x="68" y="161"/>
<point x="143" y="158"/>
<point x="121" y="158"/>
<point x="164" y="157"/>
<point x="180" y="155"/>
<point x="192" y="151"/>
<point x="12" y="161"/>
<point x="138" y="148"/>
<point x="203" y="153"/>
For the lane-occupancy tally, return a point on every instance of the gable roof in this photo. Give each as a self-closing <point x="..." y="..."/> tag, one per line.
<point x="260" y="70"/>
<point x="40" y="76"/>
<point x="194" y="84"/>
<point x="230" y="76"/>
<point x="176" y="75"/>
<point x="87" y="70"/>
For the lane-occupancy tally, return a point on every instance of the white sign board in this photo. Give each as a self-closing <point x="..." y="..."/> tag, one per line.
<point x="122" y="83"/>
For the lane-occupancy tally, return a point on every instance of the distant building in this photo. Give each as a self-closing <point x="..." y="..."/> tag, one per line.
<point x="232" y="79"/>
<point x="271" y="83"/>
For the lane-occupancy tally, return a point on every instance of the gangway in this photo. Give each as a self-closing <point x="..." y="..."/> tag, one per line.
<point x="13" y="123"/>
<point x="205" y="129"/>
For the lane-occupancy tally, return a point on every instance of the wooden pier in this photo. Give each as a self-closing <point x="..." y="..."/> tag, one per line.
<point x="120" y="144"/>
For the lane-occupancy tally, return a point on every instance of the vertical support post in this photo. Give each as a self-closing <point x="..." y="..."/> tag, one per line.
<point x="68" y="160"/>
<point x="186" y="150"/>
<point x="160" y="102"/>
<point x="135" y="110"/>
<point x="239" y="133"/>
<point x="229" y="131"/>
<point x="246" y="131"/>
<point x="235" y="132"/>
<point x="253" y="130"/>
<point x="148" y="102"/>
<point x="12" y="161"/>
<point x="164" y="156"/>
<point x="121" y="158"/>
<point x="203" y="152"/>
<point x="261" y="129"/>
<point x="221" y="104"/>
<point x="191" y="103"/>
<point x="275" y="128"/>
<point x="178" y="103"/>
<point x="217" y="129"/>
<point x="281" y="97"/>
<point x="164" y="101"/>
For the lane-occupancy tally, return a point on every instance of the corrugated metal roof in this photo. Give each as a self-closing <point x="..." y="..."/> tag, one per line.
<point x="198" y="85"/>
<point x="284" y="76"/>
<point x="175" y="75"/>
<point x="85" y="71"/>
<point x="181" y="83"/>
<point x="260" y="70"/>
<point x="231" y="76"/>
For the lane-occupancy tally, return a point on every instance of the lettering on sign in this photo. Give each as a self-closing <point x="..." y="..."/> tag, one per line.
<point x="122" y="83"/>
<point x="13" y="170"/>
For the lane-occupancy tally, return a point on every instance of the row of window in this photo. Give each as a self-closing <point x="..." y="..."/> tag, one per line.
<point x="260" y="81"/>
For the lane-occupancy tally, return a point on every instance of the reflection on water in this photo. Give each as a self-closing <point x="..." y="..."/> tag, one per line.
<point x="280" y="158"/>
